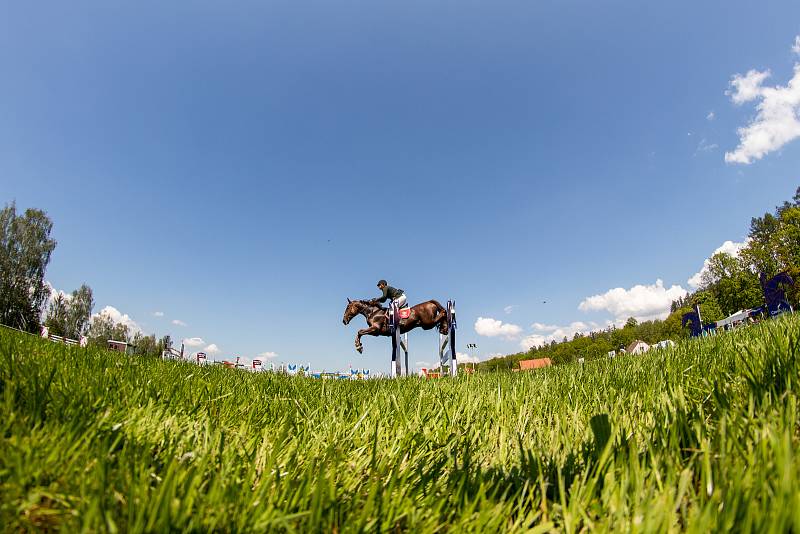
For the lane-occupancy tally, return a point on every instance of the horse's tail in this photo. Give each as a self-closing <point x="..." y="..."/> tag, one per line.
<point x="439" y="307"/>
<point x="441" y="317"/>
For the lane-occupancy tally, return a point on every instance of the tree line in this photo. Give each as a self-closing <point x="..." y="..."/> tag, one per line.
<point x="729" y="283"/>
<point x="28" y="302"/>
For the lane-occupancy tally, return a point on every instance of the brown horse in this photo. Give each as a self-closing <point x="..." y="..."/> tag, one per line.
<point x="426" y="315"/>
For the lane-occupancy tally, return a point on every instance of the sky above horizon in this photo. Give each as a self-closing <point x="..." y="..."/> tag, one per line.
<point x="230" y="173"/>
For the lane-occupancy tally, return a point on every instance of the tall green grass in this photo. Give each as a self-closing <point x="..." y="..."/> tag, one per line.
<point x="699" y="438"/>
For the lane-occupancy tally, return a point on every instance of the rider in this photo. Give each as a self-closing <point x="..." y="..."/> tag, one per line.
<point x="397" y="296"/>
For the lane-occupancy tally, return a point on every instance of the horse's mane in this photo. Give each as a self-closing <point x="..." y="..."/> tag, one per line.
<point x="368" y="303"/>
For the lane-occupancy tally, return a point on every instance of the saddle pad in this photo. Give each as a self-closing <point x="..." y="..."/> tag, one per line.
<point x="405" y="313"/>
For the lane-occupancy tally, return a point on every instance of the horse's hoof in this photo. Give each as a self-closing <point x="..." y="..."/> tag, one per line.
<point x="360" y="350"/>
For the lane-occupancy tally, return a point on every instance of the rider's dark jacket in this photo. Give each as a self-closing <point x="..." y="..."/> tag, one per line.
<point x="389" y="293"/>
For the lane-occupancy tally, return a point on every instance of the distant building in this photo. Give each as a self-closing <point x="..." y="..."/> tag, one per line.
<point x="118" y="346"/>
<point x="637" y="347"/>
<point x="538" y="363"/>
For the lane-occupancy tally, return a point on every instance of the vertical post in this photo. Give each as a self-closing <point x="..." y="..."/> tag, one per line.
<point x="452" y="325"/>
<point x="392" y="368"/>
<point x="700" y="320"/>
<point x="394" y="331"/>
<point x="405" y="350"/>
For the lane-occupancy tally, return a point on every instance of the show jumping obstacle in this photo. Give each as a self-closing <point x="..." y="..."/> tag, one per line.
<point x="400" y="341"/>
<point x="395" y="323"/>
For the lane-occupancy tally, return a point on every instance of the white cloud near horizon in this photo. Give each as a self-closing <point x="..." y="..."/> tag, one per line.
<point x="488" y="327"/>
<point x="268" y="355"/>
<point x="178" y="322"/>
<point x="728" y="247"/>
<point x="193" y="342"/>
<point x="158" y="314"/>
<point x="796" y="45"/>
<point x="211" y="349"/>
<point x="710" y="116"/>
<point x="53" y="293"/>
<point x="544" y="334"/>
<point x="777" y="121"/>
<point x="119" y="317"/>
<point x="509" y="309"/>
<point x="466" y="358"/>
<point x="643" y="302"/>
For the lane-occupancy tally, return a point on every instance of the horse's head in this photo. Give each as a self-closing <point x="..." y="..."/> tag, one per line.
<point x="352" y="309"/>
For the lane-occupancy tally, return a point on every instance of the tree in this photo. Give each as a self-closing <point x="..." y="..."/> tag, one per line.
<point x="734" y="286"/>
<point x="25" y="249"/>
<point x="68" y="315"/>
<point x="145" y="345"/>
<point x="759" y="254"/>
<point x="709" y="307"/>
<point x="81" y="307"/>
<point x="102" y="328"/>
<point x="56" y="318"/>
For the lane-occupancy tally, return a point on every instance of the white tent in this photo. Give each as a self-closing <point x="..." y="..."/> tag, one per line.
<point x="738" y="317"/>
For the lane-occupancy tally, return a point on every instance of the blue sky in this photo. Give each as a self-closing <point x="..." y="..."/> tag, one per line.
<point x="244" y="167"/>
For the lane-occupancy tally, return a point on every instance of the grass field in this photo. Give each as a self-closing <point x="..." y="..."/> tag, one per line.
<point x="700" y="438"/>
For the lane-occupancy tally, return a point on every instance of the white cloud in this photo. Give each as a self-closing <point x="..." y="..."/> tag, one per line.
<point x="211" y="349"/>
<point x="748" y="87"/>
<point x="642" y="302"/>
<point x="705" y="146"/>
<point x="728" y="247"/>
<point x="777" y="120"/>
<point x="509" y="309"/>
<point x="486" y="326"/>
<point x="56" y="292"/>
<point x="544" y="334"/>
<point x="158" y="314"/>
<point x="194" y="342"/>
<point x="178" y="322"/>
<point x="53" y="293"/>
<point x="796" y="46"/>
<point x="268" y="355"/>
<point x="710" y="116"/>
<point x="466" y="358"/>
<point x="119" y="317"/>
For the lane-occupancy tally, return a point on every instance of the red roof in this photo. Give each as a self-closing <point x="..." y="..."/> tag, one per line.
<point x="534" y="364"/>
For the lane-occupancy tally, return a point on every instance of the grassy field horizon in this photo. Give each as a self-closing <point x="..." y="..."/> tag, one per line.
<point x="701" y="437"/>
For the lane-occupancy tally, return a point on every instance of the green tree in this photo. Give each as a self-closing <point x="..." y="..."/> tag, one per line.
<point x="145" y="345"/>
<point x="734" y="286"/>
<point x="709" y="307"/>
<point x="56" y="319"/>
<point x="68" y="315"/>
<point x="103" y="328"/>
<point x="25" y="249"/>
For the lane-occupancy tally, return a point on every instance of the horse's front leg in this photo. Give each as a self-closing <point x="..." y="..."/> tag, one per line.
<point x="371" y="331"/>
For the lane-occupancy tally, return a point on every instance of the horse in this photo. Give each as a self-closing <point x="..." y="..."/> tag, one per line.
<point x="426" y="315"/>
